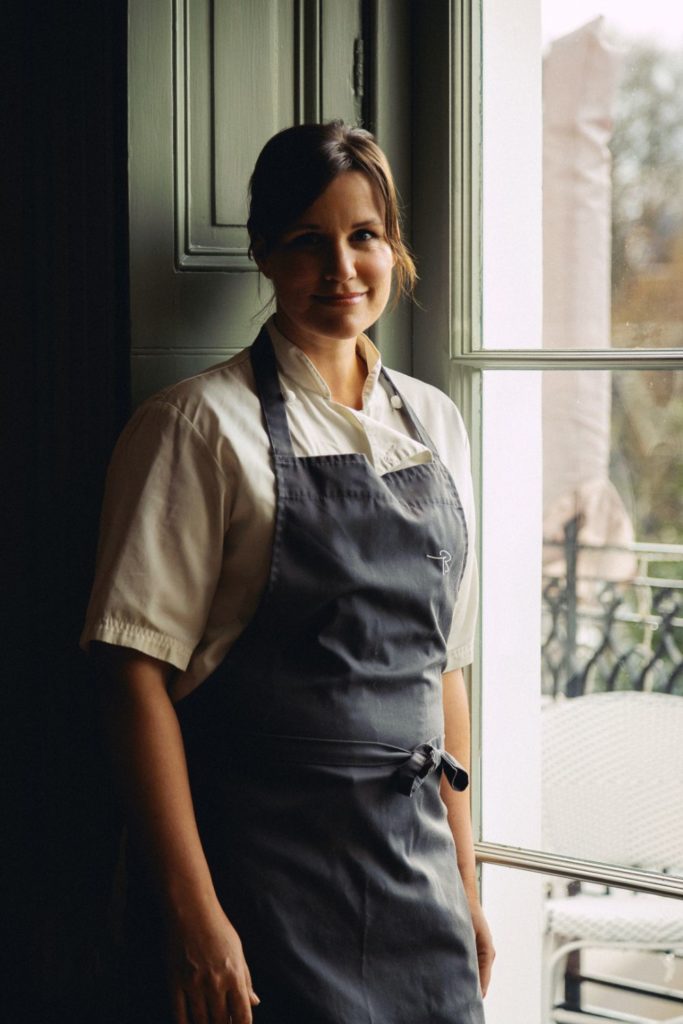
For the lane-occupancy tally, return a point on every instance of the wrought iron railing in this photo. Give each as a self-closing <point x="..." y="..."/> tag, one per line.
<point x="601" y="635"/>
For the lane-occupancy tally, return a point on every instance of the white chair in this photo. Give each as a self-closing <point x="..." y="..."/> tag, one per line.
<point x="613" y="793"/>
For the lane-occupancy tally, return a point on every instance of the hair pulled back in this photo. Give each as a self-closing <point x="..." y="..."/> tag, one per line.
<point x="296" y="166"/>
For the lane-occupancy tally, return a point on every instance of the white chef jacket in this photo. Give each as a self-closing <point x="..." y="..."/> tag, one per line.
<point x="189" y="507"/>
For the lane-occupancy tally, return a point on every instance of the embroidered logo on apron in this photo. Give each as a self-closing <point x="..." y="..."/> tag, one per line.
<point x="445" y="557"/>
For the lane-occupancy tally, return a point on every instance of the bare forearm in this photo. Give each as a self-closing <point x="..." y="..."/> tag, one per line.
<point x="457" y="742"/>
<point x="206" y="968"/>
<point x="149" y="764"/>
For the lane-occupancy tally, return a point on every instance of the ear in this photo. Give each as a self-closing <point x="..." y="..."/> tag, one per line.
<point x="260" y="253"/>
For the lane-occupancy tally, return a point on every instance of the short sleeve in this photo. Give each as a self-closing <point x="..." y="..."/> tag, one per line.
<point x="164" y="519"/>
<point x="463" y="628"/>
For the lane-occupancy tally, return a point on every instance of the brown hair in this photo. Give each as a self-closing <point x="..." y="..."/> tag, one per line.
<point x="297" y="165"/>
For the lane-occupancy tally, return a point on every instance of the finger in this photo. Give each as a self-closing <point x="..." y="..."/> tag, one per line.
<point x="484" y="977"/>
<point x="239" y="1006"/>
<point x="217" y="1005"/>
<point x="485" y="968"/>
<point x="198" y="1011"/>
<point x="179" y="1007"/>
<point x="253" y="998"/>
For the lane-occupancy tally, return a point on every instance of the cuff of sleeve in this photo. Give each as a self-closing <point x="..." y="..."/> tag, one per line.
<point x="140" y="638"/>
<point x="458" y="657"/>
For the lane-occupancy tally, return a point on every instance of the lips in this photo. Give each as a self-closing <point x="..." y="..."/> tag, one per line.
<point x="341" y="298"/>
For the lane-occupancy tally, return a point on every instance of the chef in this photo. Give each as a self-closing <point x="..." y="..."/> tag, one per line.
<point x="284" y="600"/>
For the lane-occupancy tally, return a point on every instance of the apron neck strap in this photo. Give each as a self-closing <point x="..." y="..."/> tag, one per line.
<point x="420" y="432"/>
<point x="270" y="395"/>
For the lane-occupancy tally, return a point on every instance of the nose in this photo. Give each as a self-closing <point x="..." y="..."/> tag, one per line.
<point x="340" y="262"/>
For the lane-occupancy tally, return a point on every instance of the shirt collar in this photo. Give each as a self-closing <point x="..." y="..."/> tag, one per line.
<point x="295" y="365"/>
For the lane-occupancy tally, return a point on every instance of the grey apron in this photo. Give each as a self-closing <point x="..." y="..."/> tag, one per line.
<point x="315" y="749"/>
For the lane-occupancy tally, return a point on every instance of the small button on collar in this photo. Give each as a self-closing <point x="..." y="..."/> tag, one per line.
<point x="396" y="402"/>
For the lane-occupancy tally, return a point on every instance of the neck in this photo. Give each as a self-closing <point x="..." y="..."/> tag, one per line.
<point x="343" y="370"/>
<point x="338" y="363"/>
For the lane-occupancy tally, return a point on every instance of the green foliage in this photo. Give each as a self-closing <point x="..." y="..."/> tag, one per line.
<point x="647" y="155"/>
<point x="647" y="288"/>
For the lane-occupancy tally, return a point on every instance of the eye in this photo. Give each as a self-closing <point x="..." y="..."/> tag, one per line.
<point x="308" y="239"/>
<point x="364" y="235"/>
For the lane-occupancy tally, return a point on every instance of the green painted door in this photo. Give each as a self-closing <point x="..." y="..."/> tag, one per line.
<point x="210" y="81"/>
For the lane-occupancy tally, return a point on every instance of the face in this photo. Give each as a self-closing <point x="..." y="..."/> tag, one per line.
<point x="331" y="270"/>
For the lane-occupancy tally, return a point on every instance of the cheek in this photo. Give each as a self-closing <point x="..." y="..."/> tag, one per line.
<point x="382" y="268"/>
<point x="293" y="279"/>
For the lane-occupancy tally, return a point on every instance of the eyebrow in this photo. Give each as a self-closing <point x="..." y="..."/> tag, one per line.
<point x="317" y="227"/>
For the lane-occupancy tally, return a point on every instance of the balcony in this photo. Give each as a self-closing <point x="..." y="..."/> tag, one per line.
<point x="592" y="951"/>
<point x="600" y="635"/>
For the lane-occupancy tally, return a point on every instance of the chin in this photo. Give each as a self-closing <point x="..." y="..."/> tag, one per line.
<point x="343" y="325"/>
<point x="344" y="332"/>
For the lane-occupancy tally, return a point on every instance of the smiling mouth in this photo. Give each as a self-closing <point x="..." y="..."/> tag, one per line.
<point x="342" y="299"/>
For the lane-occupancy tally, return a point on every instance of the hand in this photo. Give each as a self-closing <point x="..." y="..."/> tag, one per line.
<point x="486" y="953"/>
<point x="208" y="975"/>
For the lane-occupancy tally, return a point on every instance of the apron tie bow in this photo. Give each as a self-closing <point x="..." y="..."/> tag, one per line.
<point x="424" y="760"/>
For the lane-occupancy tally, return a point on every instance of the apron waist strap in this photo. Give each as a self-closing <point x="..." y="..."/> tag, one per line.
<point x="424" y="760"/>
<point x="413" y="767"/>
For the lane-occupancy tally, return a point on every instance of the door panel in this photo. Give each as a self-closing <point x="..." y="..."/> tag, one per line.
<point x="236" y="83"/>
<point x="255" y="76"/>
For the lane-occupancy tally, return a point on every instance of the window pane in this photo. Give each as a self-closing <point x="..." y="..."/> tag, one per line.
<point x="582" y="615"/>
<point x="583" y="228"/>
<point x="534" y="917"/>
<point x="512" y="183"/>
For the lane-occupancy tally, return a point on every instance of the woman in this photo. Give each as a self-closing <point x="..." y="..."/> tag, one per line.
<point x="283" y="603"/>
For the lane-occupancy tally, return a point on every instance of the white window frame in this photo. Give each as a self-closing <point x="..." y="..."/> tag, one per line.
<point x="449" y="345"/>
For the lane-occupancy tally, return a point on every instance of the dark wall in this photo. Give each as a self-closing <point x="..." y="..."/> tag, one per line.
<point x="65" y="396"/>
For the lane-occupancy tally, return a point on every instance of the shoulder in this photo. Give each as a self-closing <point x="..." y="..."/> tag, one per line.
<point x="211" y="392"/>
<point x="213" y="409"/>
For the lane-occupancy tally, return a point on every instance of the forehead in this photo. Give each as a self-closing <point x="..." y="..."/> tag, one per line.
<point x="351" y="196"/>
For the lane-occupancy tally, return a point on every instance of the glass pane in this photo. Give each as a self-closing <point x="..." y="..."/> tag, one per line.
<point x="583" y="230"/>
<point x="533" y="918"/>
<point x="582" y="614"/>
